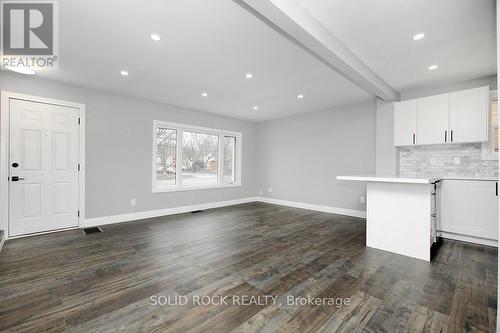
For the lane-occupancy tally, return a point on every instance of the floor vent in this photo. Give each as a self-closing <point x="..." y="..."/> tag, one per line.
<point x="88" y="231"/>
<point x="196" y="211"/>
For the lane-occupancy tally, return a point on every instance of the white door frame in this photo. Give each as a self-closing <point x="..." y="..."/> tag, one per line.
<point x="5" y="98"/>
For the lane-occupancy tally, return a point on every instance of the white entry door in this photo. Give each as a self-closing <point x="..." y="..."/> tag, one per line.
<point x="43" y="167"/>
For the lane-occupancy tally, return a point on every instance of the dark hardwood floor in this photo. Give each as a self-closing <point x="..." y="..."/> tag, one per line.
<point x="104" y="282"/>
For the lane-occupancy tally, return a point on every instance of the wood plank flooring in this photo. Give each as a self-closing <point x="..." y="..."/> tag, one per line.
<point x="107" y="282"/>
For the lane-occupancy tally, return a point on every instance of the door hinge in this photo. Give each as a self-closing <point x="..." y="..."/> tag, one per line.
<point x="78" y="120"/>
<point x="78" y="213"/>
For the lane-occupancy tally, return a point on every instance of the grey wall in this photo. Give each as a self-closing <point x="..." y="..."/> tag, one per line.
<point x="386" y="157"/>
<point x="119" y="147"/>
<point x="301" y="156"/>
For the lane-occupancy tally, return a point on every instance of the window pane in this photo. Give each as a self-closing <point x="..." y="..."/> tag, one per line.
<point x="199" y="159"/>
<point x="166" y="144"/>
<point x="229" y="150"/>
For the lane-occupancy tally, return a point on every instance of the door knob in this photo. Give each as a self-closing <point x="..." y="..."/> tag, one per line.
<point x="16" y="178"/>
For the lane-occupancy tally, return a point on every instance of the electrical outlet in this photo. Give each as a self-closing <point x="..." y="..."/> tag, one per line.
<point x="270" y="190"/>
<point x="260" y="192"/>
<point x="132" y="202"/>
<point x="362" y="199"/>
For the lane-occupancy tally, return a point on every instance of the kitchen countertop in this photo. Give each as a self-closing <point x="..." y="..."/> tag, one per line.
<point x="410" y="180"/>
<point x="469" y="178"/>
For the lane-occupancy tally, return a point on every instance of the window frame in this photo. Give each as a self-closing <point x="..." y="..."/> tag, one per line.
<point x="157" y="187"/>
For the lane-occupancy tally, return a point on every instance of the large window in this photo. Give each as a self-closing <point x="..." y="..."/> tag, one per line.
<point x="187" y="157"/>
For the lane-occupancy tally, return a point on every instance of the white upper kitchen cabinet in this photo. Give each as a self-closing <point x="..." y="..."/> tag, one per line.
<point x="457" y="117"/>
<point x="433" y="119"/>
<point x="405" y="122"/>
<point x="469" y="115"/>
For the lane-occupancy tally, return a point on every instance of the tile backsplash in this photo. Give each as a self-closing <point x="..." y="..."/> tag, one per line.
<point x="445" y="160"/>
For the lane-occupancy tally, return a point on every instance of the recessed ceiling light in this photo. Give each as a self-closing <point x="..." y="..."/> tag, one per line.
<point x="155" y="37"/>
<point x="249" y="75"/>
<point x="22" y="70"/>
<point x="433" y="67"/>
<point x="300" y="96"/>
<point x="418" y="36"/>
<point x="204" y="94"/>
<point x="255" y="107"/>
<point x="124" y="73"/>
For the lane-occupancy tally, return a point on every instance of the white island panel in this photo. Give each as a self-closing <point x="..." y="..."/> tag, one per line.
<point x="398" y="218"/>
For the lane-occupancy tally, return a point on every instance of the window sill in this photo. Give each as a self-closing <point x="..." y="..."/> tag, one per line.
<point x="162" y="189"/>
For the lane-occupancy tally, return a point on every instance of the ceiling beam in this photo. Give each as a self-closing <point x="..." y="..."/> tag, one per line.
<point x="292" y="20"/>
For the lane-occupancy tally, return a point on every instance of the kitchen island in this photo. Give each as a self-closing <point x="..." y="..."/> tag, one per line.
<point x="400" y="214"/>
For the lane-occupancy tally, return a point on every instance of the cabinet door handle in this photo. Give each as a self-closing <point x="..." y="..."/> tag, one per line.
<point x="451" y="136"/>
<point x="16" y="178"/>
<point x="496" y="189"/>
<point x="414" y="138"/>
<point x="445" y="136"/>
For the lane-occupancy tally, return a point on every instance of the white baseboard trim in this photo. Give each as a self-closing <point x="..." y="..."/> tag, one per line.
<point x="99" y="221"/>
<point x="468" y="239"/>
<point x="319" y="208"/>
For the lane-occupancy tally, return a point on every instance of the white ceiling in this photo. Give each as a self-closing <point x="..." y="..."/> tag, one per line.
<point x="205" y="46"/>
<point x="209" y="45"/>
<point x="459" y="37"/>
